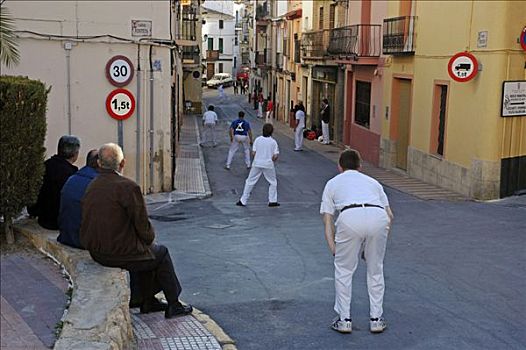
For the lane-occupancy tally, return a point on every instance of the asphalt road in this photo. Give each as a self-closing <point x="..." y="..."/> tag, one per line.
<point x="455" y="271"/>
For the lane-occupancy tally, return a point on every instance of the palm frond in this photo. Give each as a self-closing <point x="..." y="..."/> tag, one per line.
<point x="9" y="54"/>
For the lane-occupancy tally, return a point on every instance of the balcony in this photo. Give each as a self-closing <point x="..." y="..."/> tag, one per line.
<point x="399" y="36"/>
<point x="191" y="55"/>
<point x="279" y="61"/>
<point x="262" y="11"/>
<point x="314" y="44"/>
<point x="212" y="55"/>
<point x="360" y="40"/>
<point x="264" y="59"/>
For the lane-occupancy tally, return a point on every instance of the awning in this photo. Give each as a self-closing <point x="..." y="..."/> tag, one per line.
<point x="294" y="14"/>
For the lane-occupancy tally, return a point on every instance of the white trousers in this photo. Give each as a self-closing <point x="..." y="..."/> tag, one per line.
<point x="260" y="110"/>
<point x="239" y="140"/>
<point x="252" y="179"/>
<point x="354" y="227"/>
<point x="298" y="138"/>
<point x="325" y="132"/>
<point x="268" y="117"/>
<point x="209" y="134"/>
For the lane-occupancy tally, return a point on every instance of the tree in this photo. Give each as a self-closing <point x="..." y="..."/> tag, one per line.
<point x="8" y="40"/>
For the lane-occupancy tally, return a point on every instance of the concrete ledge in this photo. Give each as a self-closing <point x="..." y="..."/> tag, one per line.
<point x="98" y="317"/>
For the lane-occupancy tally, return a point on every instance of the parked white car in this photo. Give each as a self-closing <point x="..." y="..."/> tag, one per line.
<point x="220" y="78"/>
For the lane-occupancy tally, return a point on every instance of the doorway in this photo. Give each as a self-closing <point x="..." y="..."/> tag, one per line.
<point x="401" y="119"/>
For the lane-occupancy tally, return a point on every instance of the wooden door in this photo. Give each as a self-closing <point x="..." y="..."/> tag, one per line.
<point x="404" y="118"/>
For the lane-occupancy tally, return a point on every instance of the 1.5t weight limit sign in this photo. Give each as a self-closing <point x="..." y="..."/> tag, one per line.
<point x="120" y="104"/>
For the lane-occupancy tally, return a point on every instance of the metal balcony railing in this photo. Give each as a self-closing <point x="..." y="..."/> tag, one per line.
<point x="262" y="11"/>
<point x="399" y="36"/>
<point x="191" y="54"/>
<point x="279" y="60"/>
<point x="315" y="44"/>
<point x="212" y="55"/>
<point x="360" y="40"/>
<point x="264" y="58"/>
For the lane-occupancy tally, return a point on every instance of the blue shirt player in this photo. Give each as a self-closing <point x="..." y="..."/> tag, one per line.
<point x="240" y="134"/>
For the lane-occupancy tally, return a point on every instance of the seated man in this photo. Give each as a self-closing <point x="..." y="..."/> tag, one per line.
<point x="69" y="214"/>
<point x="58" y="169"/>
<point x="116" y="231"/>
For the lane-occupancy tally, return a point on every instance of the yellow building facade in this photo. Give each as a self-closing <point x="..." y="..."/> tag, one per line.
<point x="447" y="132"/>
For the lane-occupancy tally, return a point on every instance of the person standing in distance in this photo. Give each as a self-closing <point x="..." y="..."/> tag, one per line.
<point x="325" y="114"/>
<point x="240" y="134"/>
<point x="364" y="217"/>
<point x="209" y="124"/>
<point x="269" y="111"/>
<point x="265" y="152"/>
<point x="300" y="125"/>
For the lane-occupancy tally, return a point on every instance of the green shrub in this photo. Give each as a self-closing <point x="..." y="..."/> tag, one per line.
<point x="22" y="134"/>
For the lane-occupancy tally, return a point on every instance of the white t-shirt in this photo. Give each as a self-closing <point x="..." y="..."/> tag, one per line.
<point x="210" y="117"/>
<point x="300" y="115"/>
<point x="265" y="148"/>
<point x="351" y="187"/>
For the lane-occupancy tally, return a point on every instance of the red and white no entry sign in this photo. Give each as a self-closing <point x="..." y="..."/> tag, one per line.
<point x="463" y="67"/>
<point x="120" y="104"/>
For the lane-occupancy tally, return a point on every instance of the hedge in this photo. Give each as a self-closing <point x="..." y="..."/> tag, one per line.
<point x="22" y="134"/>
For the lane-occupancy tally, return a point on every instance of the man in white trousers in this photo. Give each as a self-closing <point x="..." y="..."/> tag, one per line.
<point x="364" y="217"/>
<point x="209" y="124"/>
<point x="265" y="152"/>
<point x="300" y="125"/>
<point x="240" y="134"/>
<point x="325" y="114"/>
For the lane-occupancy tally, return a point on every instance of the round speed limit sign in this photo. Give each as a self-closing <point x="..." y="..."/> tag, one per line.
<point x="119" y="71"/>
<point x="120" y="104"/>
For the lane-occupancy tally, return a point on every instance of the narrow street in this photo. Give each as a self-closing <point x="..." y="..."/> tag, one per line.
<point x="454" y="269"/>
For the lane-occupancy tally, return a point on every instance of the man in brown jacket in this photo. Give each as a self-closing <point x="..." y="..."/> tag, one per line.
<point x="116" y="231"/>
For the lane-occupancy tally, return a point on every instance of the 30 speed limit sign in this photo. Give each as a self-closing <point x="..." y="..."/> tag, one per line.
<point x="120" y="104"/>
<point x="119" y="71"/>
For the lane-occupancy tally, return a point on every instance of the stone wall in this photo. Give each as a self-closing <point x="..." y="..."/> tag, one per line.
<point x="480" y="181"/>
<point x="98" y="317"/>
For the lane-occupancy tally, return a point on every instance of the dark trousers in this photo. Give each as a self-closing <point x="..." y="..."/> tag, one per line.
<point x="151" y="276"/>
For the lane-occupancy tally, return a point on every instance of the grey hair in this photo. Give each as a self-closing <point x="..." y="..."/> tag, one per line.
<point x="110" y="156"/>
<point x="68" y="146"/>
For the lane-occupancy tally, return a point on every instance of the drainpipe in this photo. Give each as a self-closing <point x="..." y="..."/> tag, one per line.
<point x="151" y="121"/>
<point x="138" y="114"/>
<point x="68" y="46"/>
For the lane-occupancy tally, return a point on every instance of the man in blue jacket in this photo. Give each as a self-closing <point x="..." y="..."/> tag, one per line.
<point x="69" y="214"/>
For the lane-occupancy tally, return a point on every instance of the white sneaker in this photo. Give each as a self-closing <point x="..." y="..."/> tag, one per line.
<point x="377" y="326"/>
<point x="342" y="326"/>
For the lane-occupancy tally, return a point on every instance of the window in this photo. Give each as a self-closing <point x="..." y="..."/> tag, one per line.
<point x="221" y="24"/>
<point x="221" y="45"/>
<point x="220" y="67"/>
<point x="362" y="106"/>
<point x="332" y="14"/>
<point x="320" y="19"/>
<point x="235" y="62"/>
<point x="438" y="120"/>
<point x="210" y="44"/>
<point x="236" y="41"/>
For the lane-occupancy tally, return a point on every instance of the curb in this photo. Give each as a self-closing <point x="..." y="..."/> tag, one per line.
<point x="98" y="316"/>
<point x="223" y="339"/>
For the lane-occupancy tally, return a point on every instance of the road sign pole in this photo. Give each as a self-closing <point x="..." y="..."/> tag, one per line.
<point x="120" y="134"/>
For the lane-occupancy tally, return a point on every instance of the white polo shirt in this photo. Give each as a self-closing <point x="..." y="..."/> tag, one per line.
<point x="351" y="187"/>
<point x="300" y="115"/>
<point x="210" y="117"/>
<point x="265" y="148"/>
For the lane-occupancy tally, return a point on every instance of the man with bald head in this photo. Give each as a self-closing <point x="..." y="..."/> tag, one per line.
<point x="116" y="231"/>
